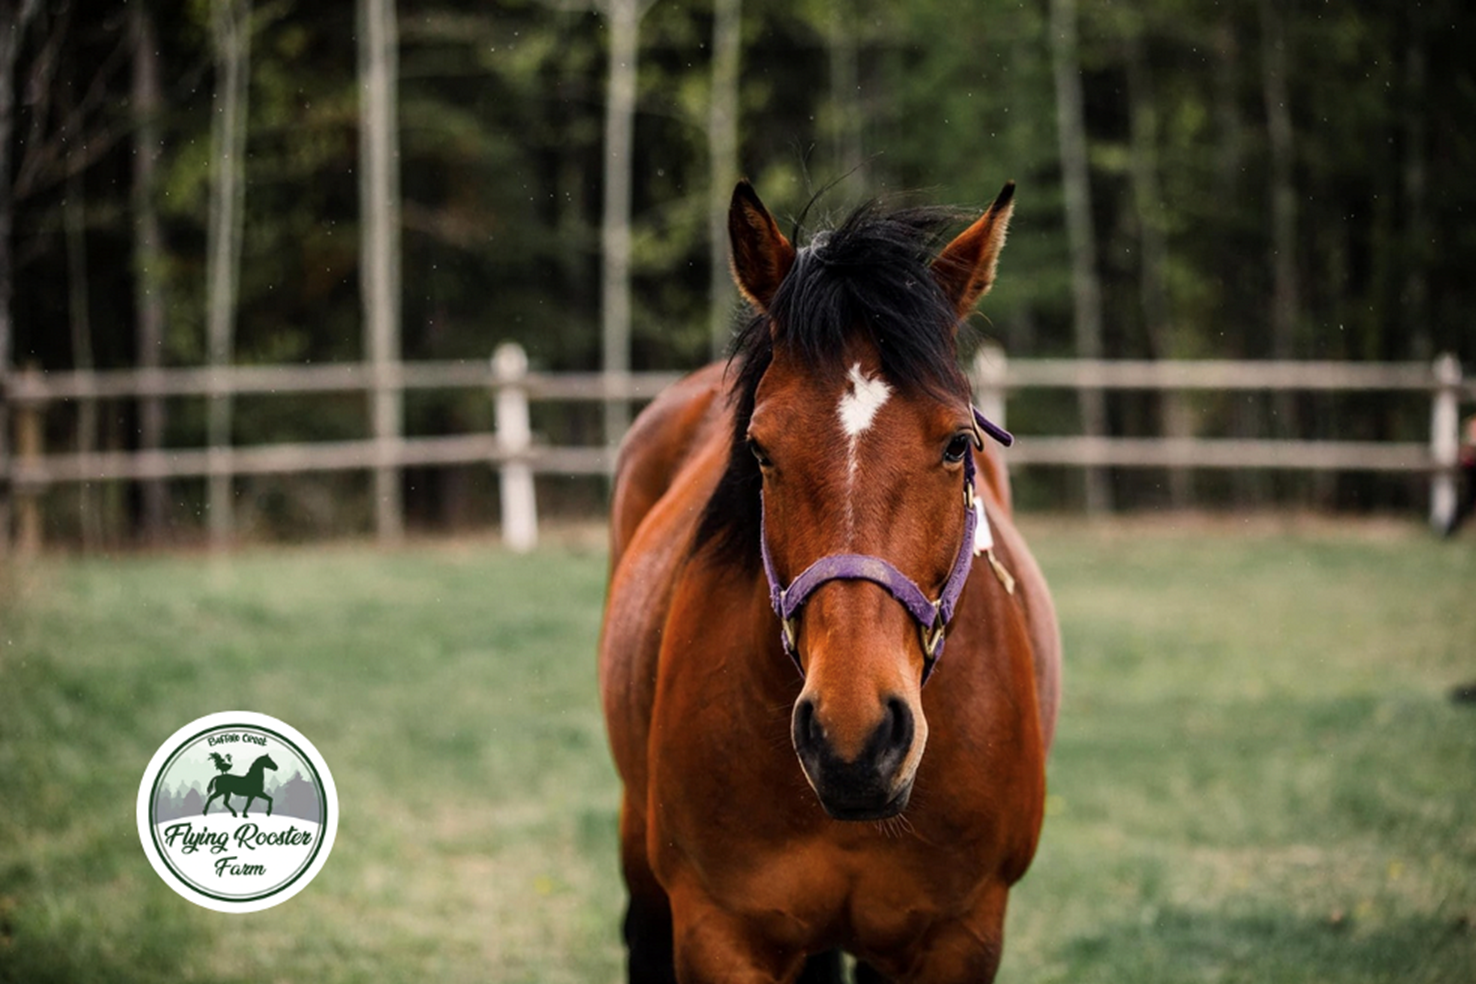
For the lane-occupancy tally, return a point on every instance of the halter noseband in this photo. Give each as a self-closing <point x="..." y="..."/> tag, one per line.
<point x="932" y="617"/>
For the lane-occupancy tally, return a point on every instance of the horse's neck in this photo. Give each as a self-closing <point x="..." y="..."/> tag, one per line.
<point x="256" y="768"/>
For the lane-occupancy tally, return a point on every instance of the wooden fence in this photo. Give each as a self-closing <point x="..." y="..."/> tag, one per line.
<point x="514" y="451"/>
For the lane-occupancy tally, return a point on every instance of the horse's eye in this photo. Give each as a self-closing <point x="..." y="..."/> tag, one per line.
<point x="957" y="448"/>
<point x="760" y="455"/>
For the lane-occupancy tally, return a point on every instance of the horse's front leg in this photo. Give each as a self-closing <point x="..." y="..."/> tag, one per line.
<point x="712" y="945"/>
<point x="647" y="923"/>
<point x="269" y="803"/>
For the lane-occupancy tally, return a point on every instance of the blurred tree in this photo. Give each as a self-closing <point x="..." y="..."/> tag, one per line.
<point x="74" y="221"/>
<point x="379" y="237"/>
<point x="1175" y="418"/>
<point x="1086" y="287"/>
<point x="230" y="27"/>
<point x="1284" y="297"/>
<point x="722" y="151"/>
<point x="1194" y="122"/>
<point x="15" y="17"/>
<point x="148" y="247"/>
<point x="843" y="26"/>
<point x="1416" y="245"/>
<point x="623" y="18"/>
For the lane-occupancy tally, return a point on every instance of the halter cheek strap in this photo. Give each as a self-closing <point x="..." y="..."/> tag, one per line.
<point x="932" y="616"/>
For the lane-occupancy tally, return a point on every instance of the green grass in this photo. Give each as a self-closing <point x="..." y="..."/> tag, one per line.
<point x="1258" y="775"/>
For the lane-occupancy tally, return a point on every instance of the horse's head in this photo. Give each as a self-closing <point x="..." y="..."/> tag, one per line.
<point x="861" y="426"/>
<point x="265" y="762"/>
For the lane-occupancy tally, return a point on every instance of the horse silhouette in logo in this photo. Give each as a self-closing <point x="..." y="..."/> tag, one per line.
<point x="250" y="785"/>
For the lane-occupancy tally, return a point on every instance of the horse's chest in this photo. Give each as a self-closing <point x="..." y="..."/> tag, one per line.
<point x="871" y="888"/>
<point x="895" y="900"/>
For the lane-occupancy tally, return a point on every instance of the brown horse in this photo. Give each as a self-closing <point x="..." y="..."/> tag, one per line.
<point x="813" y="505"/>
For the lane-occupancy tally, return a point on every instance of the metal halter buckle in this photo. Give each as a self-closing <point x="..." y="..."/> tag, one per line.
<point x="932" y="640"/>
<point x="790" y="634"/>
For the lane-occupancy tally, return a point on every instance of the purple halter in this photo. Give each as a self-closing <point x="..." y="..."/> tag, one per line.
<point x="932" y="617"/>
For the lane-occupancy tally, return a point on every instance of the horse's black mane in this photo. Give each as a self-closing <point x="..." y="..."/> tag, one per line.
<point x="869" y="275"/>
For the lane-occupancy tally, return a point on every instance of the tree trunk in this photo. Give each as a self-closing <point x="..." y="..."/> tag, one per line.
<point x="148" y="252"/>
<point x="379" y="245"/>
<point x="231" y="31"/>
<point x="13" y="21"/>
<point x="722" y="152"/>
<point x="845" y="99"/>
<point x="1249" y="486"/>
<point x="1148" y="203"/>
<point x="1086" y="289"/>
<point x="1284" y="291"/>
<point x="1230" y="136"/>
<point x="1418" y="332"/>
<point x="1174" y="412"/>
<point x="624" y="17"/>
<point x="74" y="221"/>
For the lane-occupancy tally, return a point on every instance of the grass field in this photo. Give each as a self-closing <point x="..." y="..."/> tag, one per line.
<point x="1259" y="774"/>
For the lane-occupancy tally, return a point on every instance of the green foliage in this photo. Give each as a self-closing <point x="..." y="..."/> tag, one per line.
<point x="500" y="109"/>
<point x="501" y="114"/>
<point x="974" y="116"/>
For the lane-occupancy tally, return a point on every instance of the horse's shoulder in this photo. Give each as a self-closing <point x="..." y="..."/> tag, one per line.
<point x="1031" y="590"/>
<point x="669" y="465"/>
<point x="658" y="444"/>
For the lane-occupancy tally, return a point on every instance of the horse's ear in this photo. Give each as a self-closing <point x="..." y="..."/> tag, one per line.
<point x="965" y="269"/>
<point x="761" y="255"/>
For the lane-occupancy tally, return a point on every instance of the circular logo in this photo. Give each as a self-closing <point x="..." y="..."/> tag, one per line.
<point x="237" y="811"/>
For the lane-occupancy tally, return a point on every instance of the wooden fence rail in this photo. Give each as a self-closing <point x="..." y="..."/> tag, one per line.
<point x="512" y="449"/>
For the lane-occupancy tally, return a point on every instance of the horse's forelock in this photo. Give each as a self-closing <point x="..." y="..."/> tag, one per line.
<point x="870" y="277"/>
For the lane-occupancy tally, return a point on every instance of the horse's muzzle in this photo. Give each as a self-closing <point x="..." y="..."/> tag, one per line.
<point x="871" y="785"/>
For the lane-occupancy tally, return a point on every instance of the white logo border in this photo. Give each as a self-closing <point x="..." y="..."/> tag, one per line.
<point x="247" y="719"/>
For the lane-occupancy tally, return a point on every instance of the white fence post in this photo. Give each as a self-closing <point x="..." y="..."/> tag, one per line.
<point x="991" y="367"/>
<point x="515" y="438"/>
<point x="1445" y="442"/>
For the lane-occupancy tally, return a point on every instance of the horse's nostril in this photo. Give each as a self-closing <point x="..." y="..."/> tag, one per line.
<point x="899" y="726"/>
<point x="807" y="730"/>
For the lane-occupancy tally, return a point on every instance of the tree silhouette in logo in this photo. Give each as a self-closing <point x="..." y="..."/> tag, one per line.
<point x="250" y="785"/>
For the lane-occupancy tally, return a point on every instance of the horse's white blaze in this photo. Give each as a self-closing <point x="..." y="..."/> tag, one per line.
<point x="858" y="406"/>
<point x="863" y="397"/>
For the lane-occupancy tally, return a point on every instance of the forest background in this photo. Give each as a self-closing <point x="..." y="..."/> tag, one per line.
<point x="1236" y="179"/>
